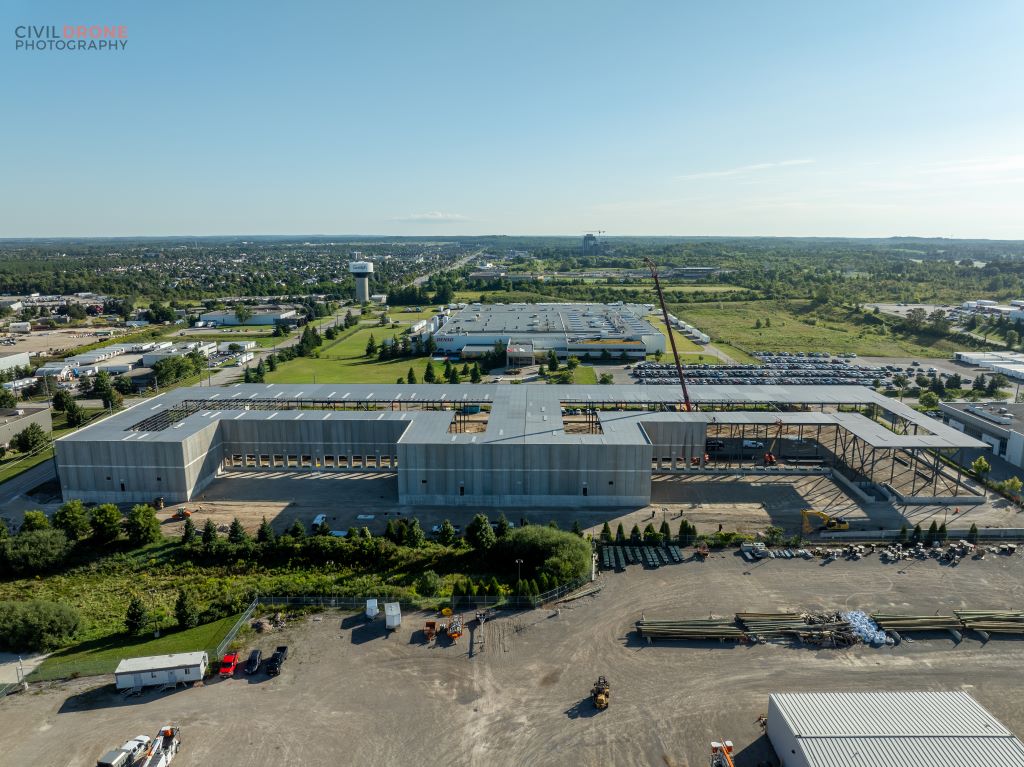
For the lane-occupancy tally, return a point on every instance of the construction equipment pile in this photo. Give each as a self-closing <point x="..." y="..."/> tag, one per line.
<point x="906" y="623"/>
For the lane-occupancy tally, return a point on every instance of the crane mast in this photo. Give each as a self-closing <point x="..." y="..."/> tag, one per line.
<point x="668" y="330"/>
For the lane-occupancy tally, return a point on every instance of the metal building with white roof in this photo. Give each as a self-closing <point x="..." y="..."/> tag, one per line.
<point x="888" y="729"/>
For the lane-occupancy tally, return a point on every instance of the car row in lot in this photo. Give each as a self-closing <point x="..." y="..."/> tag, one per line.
<point x="230" y="662"/>
<point x="774" y="370"/>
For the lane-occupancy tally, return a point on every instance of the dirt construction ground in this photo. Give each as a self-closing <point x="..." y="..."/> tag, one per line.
<point x="515" y="692"/>
<point x="744" y="504"/>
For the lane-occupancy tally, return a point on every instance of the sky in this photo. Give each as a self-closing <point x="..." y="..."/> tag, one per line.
<point x="666" y="117"/>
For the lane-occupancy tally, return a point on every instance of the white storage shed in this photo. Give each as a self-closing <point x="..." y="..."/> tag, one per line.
<point x="392" y="615"/>
<point x="160" y="670"/>
<point x="909" y="729"/>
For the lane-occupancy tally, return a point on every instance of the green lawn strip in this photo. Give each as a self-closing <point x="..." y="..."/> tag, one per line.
<point x="101" y="656"/>
<point x="584" y="374"/>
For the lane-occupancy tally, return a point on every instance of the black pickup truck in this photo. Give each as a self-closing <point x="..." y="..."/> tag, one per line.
<point x="277" y="660"/>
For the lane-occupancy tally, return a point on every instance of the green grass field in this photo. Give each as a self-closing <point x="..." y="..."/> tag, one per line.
<point x="101" y="656"/>
<point x="793" y="328"/>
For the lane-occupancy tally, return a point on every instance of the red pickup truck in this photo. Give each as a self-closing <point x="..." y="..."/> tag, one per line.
<point x="228" y="664"/>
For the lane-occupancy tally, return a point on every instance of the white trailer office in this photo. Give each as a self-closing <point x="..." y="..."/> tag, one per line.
<point x="160" y="670"/>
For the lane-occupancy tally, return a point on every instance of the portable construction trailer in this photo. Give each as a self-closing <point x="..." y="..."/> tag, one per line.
<point x="371" y="608"/>
<point x="392" y="615"/>
<point x="160" y="670"/>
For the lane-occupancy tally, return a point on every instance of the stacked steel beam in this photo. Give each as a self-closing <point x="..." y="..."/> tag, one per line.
<point x="701" y="628"/>
<point x="993" y="621"/>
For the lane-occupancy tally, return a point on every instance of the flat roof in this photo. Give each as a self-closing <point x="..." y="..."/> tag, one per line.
<point x="569" y="320"/>
<point x="160" y="662"/>
<point x="527" y="414"/>
<point x="909" y="729"/>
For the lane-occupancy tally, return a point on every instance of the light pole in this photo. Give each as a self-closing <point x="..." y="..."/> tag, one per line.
<point x="519" y="570"/>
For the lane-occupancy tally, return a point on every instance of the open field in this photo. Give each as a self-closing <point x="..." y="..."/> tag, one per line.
<point x="732" y="322"/>
<point x="58" y="341"/>
<point x="515" y="691"/>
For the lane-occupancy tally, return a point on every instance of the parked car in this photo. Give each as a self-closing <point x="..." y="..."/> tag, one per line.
<point x="319" y="519"/>
<point x="229" y="664"/>
<point x="753" y="444"/>
<point x="277" y="660"/>
<point x="253" y="664"/>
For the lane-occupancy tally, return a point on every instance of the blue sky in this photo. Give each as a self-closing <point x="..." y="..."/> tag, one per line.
<point x="527" y="117"/>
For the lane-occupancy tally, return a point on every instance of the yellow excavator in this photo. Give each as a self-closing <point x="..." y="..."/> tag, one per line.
<point x="819" y="520"/>
<point x="601" y="694"/>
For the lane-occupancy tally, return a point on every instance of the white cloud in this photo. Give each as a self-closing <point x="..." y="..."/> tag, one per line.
<point x="433" y="217"/>
<point x="741" y="170"/>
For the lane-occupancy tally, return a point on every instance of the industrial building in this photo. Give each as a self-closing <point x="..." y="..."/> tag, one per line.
<point x="13" y="360"/>
<point x="500" y="445"/>
<point x="909" y="729"/>
<point x="587" y="331"/>
<point x="999" y="425"/>
<point x="18" y="419"/>
<point x="258" y="317"/>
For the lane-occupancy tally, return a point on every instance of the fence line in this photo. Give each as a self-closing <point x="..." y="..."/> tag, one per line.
<point x="230" y="636"/>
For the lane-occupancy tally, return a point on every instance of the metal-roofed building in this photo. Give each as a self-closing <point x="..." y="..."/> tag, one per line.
<point x="499" y="445"/>
<point x="587" y="331"/>
<point x="888" y="729"/>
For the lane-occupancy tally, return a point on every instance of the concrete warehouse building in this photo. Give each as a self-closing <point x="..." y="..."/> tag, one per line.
<point x="500" y="445"/>
<point x="588" y="331"/>
<point x="908" y="729"/>
<point x="13" y="360"/>
<point x="259" y="317"/>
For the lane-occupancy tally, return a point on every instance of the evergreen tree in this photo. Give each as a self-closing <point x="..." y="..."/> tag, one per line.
<point x="972" y="534"/>
<point x="666" y="531"/>
<point x="188" y="532"/>
<point x="265" y="533"/>
<point x="902" y="537"/>
<point x="502" y="527"/>
<point x="371" y="346"/>
<point x="414" y="537"/>
<point x="577" y="529"/>
<point x="943" y="535"/>
<point x="620" y="534"/>
<point x="411" y="376"/>
<point x="236" y="533"/>
<point x="606" y="533"/>
<point x="474" y="374"/>
<point x="428" y="374"/>
<point x="634" y="535"/>
<point x="186" y="612"/>
<point x="136" y="617"/>
<point x="446" y="535"/>
<point x="932" y="534"/>
<point x="209" y="533"/>
<point x="297" y="530"/>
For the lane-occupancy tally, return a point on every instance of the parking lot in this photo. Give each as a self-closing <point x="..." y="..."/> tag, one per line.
<point x="772" y="369"/>
<point x="516" y="691"/>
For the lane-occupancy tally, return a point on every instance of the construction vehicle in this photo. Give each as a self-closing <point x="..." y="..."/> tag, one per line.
<point x="182" y="513"/>
<point x="158" y="502"/>
<point x="163" y="749"/>
<point x="721" y="754"/>
<point x="825" y="521"/>
<point x="454" y="628"/>
<point x="601" y="693"/>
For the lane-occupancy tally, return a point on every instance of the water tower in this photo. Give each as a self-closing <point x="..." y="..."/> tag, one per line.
<point x="361" y="270"/>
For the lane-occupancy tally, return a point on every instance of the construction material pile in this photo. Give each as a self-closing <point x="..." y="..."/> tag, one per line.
<point x="992" y="621"/>
<point x="700" y="628"/>
<point x="896" y="623"/>
<point x="864" y="627"/>
<point x="822" y="629"/>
